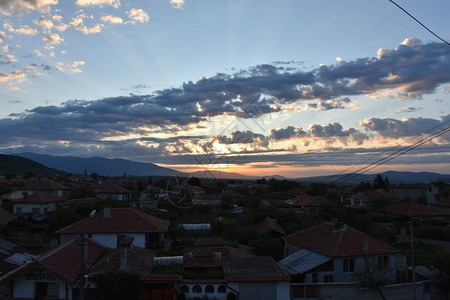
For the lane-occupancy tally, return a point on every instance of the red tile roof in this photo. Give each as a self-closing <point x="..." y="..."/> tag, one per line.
<point x="126" y="220"/>
<point x="45" y="184"/>
<point x="113" y="189"/>
<point x="442" y="203"/>
<point x="39" y="198"/>
<point x="65" y="259"/>
<point x="253" y="269"/>
<point x="338" y="240"/>
<point x="269" y="225"/>
<point x="139" y="261"/>
<point x="412" y="209"/>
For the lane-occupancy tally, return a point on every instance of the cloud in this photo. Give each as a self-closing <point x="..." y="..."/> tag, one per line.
<point x="409" y="109"/>
<point x="43" y="23"/>
<point x="113" y="3"/>
<point x="77" y="23"/>
<point x="53" y="39"/>
<point x="138" y="15"/>
<point x="243" y="137"/>
<point x="24" y="6"/>
<point x="112" y="19"/>
<point x="407" y="127"/>
<point x="286" y="133"/>
<point x="177" y="3"/>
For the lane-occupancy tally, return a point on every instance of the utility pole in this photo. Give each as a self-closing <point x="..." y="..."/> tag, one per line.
<point x="82" y="265"/>
<point x="413" y="259"/>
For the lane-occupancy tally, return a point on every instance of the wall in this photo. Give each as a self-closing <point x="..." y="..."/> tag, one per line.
<point x="27" y="207"/>
<point x="108" y="240"/>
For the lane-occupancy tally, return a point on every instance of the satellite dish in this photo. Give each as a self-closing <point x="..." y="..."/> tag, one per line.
<point x="92" y="213"/>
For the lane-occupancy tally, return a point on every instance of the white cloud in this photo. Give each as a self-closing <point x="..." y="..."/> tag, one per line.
<point x="113" y="3"/>
<point x="24" y="6"/>
<point x="177" y="3"/>
<point x="2" y="36"/>
<point x="15" y="75"/>
<point x="53" y="39"/>
<point x="43" y="23"/>
<point x="112" y="19"/>
<point x="78" y="24"/>
<point x="26" y="30"/>
<point x="138" y="15"/>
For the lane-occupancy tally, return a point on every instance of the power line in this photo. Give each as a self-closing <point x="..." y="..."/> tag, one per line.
<point x="404" y="10"/>
<point x="392" y="155"/>
<point x="387" y="150"/>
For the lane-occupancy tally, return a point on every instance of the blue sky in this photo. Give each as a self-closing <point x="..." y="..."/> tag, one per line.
<point x="296" y="88"/>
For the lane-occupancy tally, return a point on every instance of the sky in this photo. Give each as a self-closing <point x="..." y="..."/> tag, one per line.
<point x="292" y="87"/>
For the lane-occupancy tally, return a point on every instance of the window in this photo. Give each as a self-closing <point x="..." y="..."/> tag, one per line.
<point x="46" y="209"/>
<point x="209" y="289"/>
<point x="52" y="289"/>
<point x="315" y="277"/>
<point x="184" y="289"/>
<point x="221" y="289"/>
<point x="328" y="278"/>
<point x="35" y="210"/>
<point x="197" y="289"/>
<point x="348" y="265"/>
<point x="18" y="210"/>
<point x="383" y="262"/>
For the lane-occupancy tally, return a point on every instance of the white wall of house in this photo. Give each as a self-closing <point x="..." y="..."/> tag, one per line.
<point x="340" y="276"/>
<point x="27" y="208"/>
<point x="25" y="288"/>
<point x="216" y="294"/>
<point x="283" y="290"/>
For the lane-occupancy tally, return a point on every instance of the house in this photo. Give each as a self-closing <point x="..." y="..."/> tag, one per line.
<point x="214" y="200"/>
<point x="113" y="224"/>
<point x="311" y="204"/>
<point x="40" y="186"/>
<point x="114" y="192"/>
<point x="332" y="253"/>
<point x="412" y="210"/>
<point x="413" y="192"/>
<point x="55" y="274"/>
<point x="256" y="278"/>
<point x="37" y="204"/>
<point x="363" y="198"/>
<point x="269" y="226"/>
<point x="442" y="206"/>
<point x="154" y="193"/>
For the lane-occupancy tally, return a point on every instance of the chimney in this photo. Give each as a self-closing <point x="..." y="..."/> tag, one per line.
<point x="366" y="246"/>
<point x="124" y="245"/>
<point x="107" y="213"/>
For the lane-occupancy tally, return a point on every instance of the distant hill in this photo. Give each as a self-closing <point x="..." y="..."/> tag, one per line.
<point x="12" y="164"/>
<point x="99" y="165"/>
<point x="393" y="177"/>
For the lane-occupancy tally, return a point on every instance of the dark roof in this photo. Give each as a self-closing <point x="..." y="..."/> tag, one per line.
<point x="412" y="209"/>
<point x="65" y="259"/>
<point x="442" y="203"/>
<point x="253" y="269"/>
<point x="338" y="240"/>
<point x="39" y="198"/>
<point x="268" y="225"/>
<point x="113" y="189"/>
<point x="126" y="220"/>
<point x="139" y="261"/>
<point x="45" y="184"/>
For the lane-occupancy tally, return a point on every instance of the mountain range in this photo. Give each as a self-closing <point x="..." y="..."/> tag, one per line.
<point x="119" y="167"/>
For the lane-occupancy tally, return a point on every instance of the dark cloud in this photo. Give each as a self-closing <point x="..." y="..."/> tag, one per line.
<point x="252" y="93"/>
<point x="409" y="109"/>
<point x="407" y="127"/>
<point x="243" y="137"/>
<point x="286" y="133"/>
